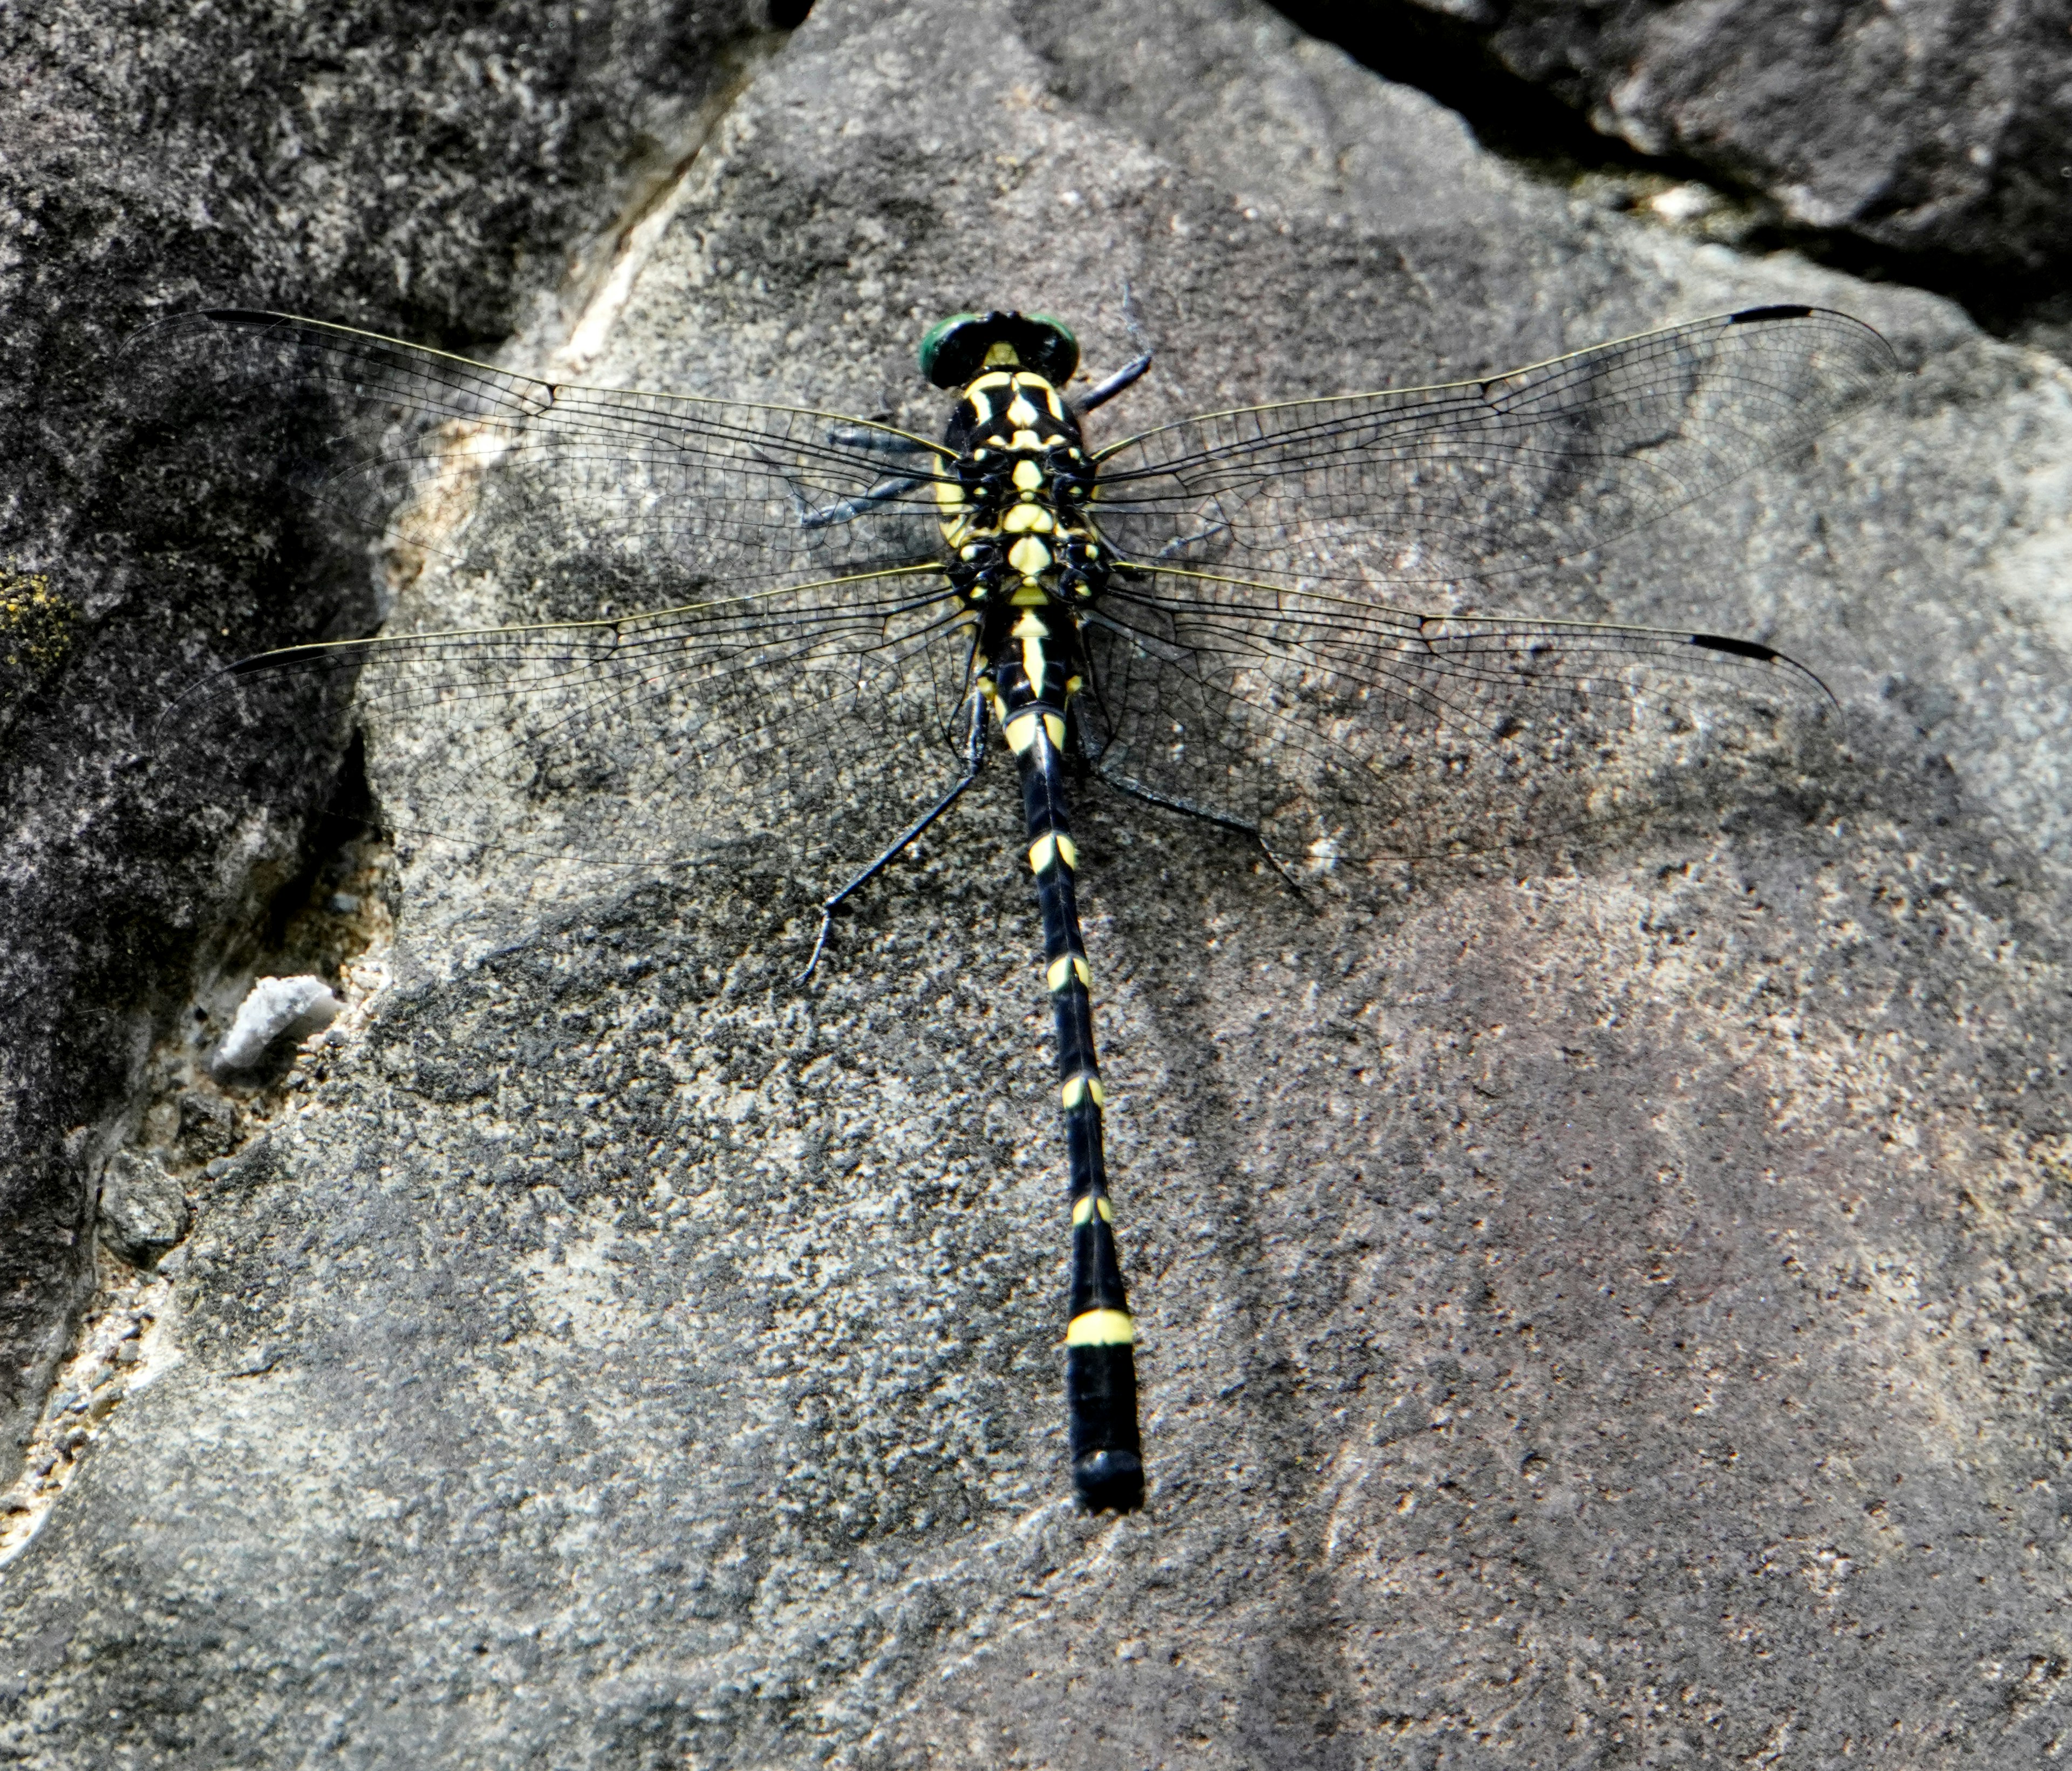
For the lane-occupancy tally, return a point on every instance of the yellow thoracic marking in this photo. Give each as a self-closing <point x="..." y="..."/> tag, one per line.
<point x="1083" y="1210"/>
<point x="1023" y="518"/>
<point x="1028" y="476"/>
<point x="1051" y="399"/>
<point x="1029" y="557"/>
<point x="1021" y="415"/>
<point x="1029" y="596"/>
<point x="949" y="494"/>
<point x="1046" y="849"/>
<point x="1083" y="1087"/>
<point x="1023" y="440"/>
<point x="1064" y="970"/>
<point x="975" y="398"/>
<point x="1101" y="1328"/>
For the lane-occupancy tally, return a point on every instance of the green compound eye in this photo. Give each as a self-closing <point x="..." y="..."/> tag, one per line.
<point x="1060" y="354"/>
<point x="957" y="349"/>
<point x="939" y="335"/>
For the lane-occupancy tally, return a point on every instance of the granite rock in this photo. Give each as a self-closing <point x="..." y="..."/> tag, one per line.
<point x="1601" y="1307"/>
<point x="144" y="1212"/>
<point x="398" y="165"/>
<point x="1940" y="132"/>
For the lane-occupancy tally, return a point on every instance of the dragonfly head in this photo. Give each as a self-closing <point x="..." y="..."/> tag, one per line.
<point x="957" y="350"/>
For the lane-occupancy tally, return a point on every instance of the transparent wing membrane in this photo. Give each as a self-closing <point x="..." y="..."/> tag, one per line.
<point x="787" y="688"/>
<point x="800" y="675"/>
<point x="1340" y="731"/>
<point x="1257" y="664"/>
<point x="411" y="443"/>
<point x="1468" y="482"/>
<point x="805" y="725"/>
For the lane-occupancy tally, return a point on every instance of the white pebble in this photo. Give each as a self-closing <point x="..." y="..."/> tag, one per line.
<point x="276" y="1007"/>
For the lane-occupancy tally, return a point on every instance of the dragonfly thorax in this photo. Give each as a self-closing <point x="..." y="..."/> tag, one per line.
<point x="1013" y="505"/>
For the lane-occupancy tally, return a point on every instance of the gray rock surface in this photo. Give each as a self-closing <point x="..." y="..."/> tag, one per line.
<point x="144" y="1214"/>
<point x="1943" y="130"/>
<point x="1601" y="1308"/>
<point x="405" y="166"/>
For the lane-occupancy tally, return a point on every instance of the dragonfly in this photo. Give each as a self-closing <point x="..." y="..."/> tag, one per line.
<point x="1268" y="619"/>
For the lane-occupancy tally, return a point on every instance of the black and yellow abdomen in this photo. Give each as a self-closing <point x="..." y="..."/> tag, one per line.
<point x="1025" y="558"/>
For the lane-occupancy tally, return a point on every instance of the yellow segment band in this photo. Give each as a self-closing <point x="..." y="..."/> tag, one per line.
<point x="1046" y="849"/>
<point x="1101" y="1328"/>
<point x="1083" y="1212"/>
<point x="1062" y="970"/>
<point x="1084" y="1088"/>
<point x="1020" y="730"/>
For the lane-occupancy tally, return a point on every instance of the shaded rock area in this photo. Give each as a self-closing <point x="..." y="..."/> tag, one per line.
<point x="401" y="167"/>
<point x="143" y="1210"/>
<point x="1940" y="133"/>
<point x="1602" y="1306"/>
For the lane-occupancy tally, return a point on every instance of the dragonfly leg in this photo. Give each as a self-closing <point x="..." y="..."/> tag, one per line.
<point x="1208" y="532"/>
<point x="974" y="759"/>
<point x="885" y="442"/>
<point x="1222" y="820"/>
<point x="1102" y="392"/>
<point x="882" y="493"/>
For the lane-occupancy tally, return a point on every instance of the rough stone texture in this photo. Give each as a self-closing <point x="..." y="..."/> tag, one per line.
<point x="403" y="166"/>
<point x="144" y="1212"/>
<point x="1604" y="1308"/>
<point x="1942" y="129"/>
